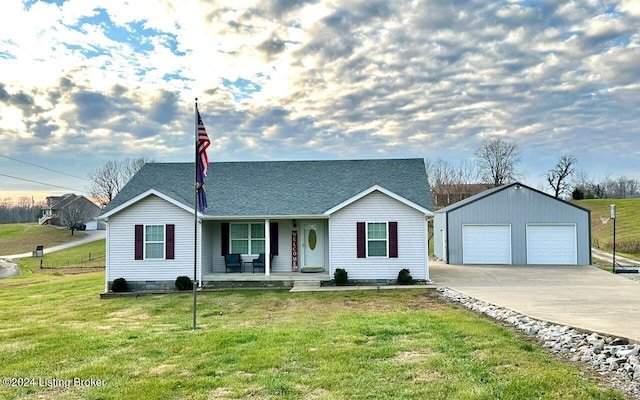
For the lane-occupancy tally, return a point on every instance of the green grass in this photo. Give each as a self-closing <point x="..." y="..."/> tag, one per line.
<point x="22" y="238"/>
<point x="627" y="225"/>
<point x="85" y="255"/>
<point x="402" y="344"/>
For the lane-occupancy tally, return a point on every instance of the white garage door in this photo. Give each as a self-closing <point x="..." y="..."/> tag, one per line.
<point x="552" y="244"/>
<point x="486" y="244"/>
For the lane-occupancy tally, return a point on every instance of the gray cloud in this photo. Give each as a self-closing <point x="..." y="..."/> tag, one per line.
<point x="43" y="128"/>
<point x="165" y="107"/>
<point x="92" y="107"/>
<point x="281" y="8"/>
<point x="272" y="47"/>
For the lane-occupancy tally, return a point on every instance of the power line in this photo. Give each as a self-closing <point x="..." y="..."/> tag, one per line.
<point x="42" y="183"/>
<point x="39" y="166"/>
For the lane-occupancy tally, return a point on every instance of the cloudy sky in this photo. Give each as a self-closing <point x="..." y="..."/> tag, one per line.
<point x="83" y="82"/>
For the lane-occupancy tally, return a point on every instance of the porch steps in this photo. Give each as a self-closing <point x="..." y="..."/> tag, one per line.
<point x="305" y="286"/>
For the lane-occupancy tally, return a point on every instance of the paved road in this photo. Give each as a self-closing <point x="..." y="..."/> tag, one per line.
<point x="583" y="297"/>
<point x="621" y="261"/>
<point x="8" y="269"/>
<point x="91" y="236"/>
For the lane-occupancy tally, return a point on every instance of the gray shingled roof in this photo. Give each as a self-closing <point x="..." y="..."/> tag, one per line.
<point x="263" y="188"/>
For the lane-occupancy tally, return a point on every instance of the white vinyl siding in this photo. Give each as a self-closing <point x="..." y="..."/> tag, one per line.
<point x="551" y="244"/>
<point x="486" y="244"/>
<point x="151" y="210"/>
<point x="412" y="239"/>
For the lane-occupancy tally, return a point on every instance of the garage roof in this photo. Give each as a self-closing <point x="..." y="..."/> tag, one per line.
<point x="494" y="190"/>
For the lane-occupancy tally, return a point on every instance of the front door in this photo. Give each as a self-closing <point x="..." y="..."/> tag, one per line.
<point x="313" y="245"/>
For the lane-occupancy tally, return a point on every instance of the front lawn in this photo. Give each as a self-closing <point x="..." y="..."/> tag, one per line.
<point x="401" y="344"/>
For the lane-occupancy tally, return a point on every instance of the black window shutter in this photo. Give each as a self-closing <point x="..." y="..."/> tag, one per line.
<point x="361" y="237"/>
<point x="170" y="241"/>
<point x="139" y="242"/>
<point x="393" y="240"/>
<point x="273" y="238"/>
<point x="224" y="238"/>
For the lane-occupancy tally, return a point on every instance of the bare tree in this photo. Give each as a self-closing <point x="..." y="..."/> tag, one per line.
<point x="468" y="172"/>
<point x="621" y="187"/>
<point x="558" y="177"/>
<point x="74" y="217"/>
<point x="451" y="182"/>
<point x="497" y="160"/>
<point x="108" y="180"/>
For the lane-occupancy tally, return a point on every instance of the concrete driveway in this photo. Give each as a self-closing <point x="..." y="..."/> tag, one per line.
<point x="583" y="297"/>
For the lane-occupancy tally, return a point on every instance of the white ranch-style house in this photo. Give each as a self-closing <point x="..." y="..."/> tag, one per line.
<point x="368" y="217"/>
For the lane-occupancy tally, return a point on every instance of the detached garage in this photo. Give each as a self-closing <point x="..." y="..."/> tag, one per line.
<point x="513" y="224"/>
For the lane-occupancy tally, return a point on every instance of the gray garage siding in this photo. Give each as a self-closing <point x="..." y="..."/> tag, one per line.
<point x="439" y="224"/>
<point x="516" y="207"/>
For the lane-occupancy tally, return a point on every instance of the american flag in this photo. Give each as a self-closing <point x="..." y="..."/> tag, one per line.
<point x="203" y="143"/>
<point x="202" y="162"/>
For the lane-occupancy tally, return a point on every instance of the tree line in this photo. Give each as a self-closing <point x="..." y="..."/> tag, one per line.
<point x="20" y="211"/>
<point x="496" y="162"/>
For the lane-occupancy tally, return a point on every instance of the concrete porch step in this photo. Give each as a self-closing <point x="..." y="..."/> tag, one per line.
<point x="305" y="286"/>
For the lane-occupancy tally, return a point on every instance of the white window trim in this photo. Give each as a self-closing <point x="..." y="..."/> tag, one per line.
<point x="145" y="242"/>
<point x="386" y="239"/>
<point x="249" y="238"/>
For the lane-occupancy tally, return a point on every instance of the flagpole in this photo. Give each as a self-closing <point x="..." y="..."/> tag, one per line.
<point x="195" y="218"/>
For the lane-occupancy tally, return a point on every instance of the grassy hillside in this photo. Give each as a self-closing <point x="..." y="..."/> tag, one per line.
<point x="627" y="224"/>
<point x="22" y="238"/>
<point x="401" y="344"/>
<point x="86" y="255"/>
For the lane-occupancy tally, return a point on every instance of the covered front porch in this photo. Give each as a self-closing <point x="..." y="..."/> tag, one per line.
<point x="295" y="245"/>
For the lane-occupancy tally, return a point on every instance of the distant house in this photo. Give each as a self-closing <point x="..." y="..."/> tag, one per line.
<point x="56" y="205"/>
<point x="366" y="216"/>
<point x="447" y="194"/>
<point x="513" y="224"/>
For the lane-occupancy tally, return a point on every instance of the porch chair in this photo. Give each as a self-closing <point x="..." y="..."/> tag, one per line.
<point x="258" y="263"/>
<point x="232" y="262"/>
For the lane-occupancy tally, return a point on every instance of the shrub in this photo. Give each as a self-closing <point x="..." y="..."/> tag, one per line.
<point x="341" y="276"/>
<point x="119" y="285"/>
<point x="184" y="283"/>
<point x="404" y="277"/>
<point x="577" y="194"/>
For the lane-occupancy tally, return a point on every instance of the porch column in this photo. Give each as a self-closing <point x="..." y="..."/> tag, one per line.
<point x="426" y="250"/>
<point x="267" y="248"/>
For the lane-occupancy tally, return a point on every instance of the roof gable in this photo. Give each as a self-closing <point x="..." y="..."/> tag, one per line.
<point x="264" y="188"/>
<point x="141" y="196"/>
<point x="377" y="188"/>
<point x="497" y="189"/>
